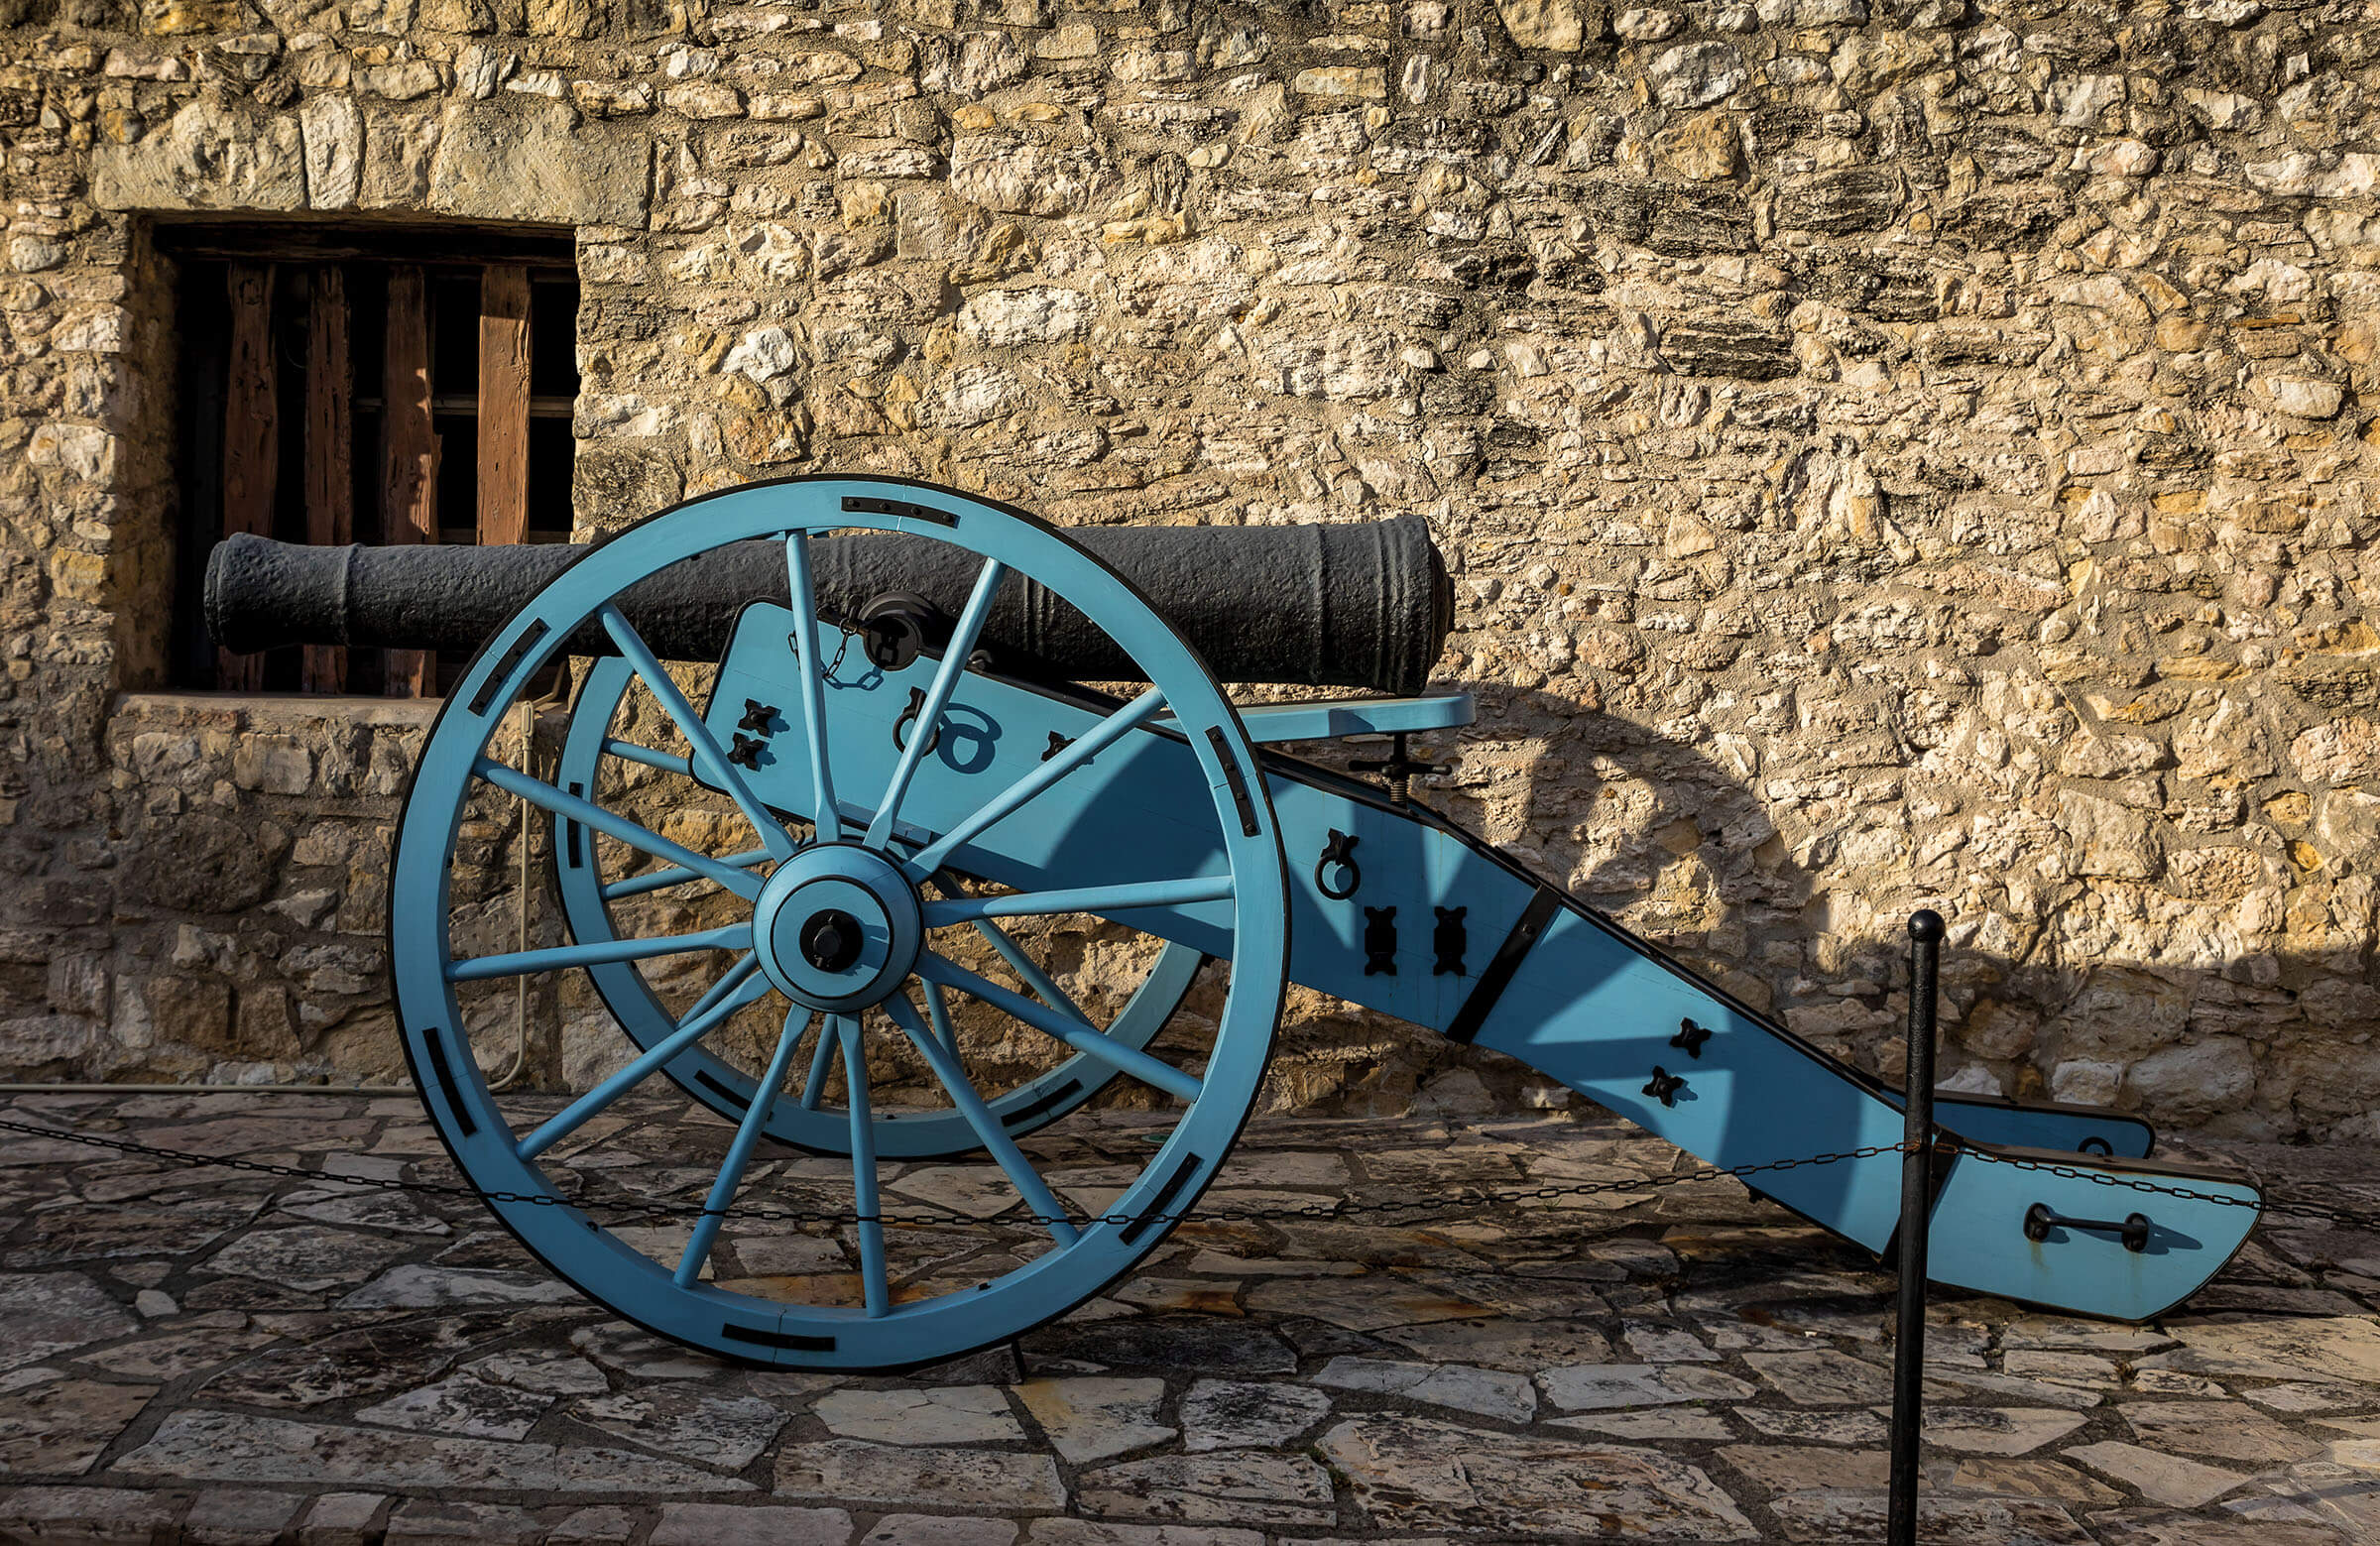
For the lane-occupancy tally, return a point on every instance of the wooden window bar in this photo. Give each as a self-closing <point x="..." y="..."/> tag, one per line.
<point x="502" y="405"/>
<point x="407" y="409"/>
<point x="329" y="446"/>
<point x="409" y="440"/>
<point x="251" y="434"/>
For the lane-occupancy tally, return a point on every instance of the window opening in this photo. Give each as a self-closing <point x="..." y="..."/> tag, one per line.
<point x="372" y="385"/>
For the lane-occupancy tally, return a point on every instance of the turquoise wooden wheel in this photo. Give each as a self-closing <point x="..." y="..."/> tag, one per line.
<point x="589" y="897"/>
<point x="833" y="936"/>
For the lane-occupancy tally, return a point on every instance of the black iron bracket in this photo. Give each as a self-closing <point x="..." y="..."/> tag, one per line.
<point x="1690" y="1037"/>
<point x="1535" y="920"/>
<point x="898" y="508"/>
<point x="746" y="753"/>
<point x="1379" y="940"/>
<point x="1237" y="780"/>
<point x="757" y="716"/>
<point x="1664" y="1086"/>
<point x="1449" y="940"/>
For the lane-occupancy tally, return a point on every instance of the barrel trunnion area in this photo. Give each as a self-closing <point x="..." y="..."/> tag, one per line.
<point x="903" y="786"/>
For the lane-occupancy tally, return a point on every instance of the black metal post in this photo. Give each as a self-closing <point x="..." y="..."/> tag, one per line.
<point x="1909" y="1346"/>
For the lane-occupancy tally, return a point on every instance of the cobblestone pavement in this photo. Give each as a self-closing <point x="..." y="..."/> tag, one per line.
<point x="220" y="1357"/>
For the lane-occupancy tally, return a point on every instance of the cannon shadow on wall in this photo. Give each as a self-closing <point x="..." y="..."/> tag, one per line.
<point x="1679" y="847"/>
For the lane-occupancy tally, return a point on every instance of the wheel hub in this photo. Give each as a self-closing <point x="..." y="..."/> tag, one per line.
<point x="838" y="927"/>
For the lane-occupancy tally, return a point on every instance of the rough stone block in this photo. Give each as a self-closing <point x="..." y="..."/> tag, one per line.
<point x="213" y="153"/>
<point x="523" y="161"/>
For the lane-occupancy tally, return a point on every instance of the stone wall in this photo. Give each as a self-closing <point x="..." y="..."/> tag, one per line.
<point x="1890" y="457"/>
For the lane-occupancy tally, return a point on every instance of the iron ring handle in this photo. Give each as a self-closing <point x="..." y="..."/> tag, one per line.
<point x="908" y="716"/>
<point x="1339" y="850"/>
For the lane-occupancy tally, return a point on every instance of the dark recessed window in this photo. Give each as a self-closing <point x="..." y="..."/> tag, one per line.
<point x="365" y="385"/>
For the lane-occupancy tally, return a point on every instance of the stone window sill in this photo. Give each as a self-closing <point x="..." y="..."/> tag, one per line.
<point x="271" y="710"/>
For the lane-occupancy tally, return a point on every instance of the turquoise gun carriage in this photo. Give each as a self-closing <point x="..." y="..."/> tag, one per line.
<point x="909" y="815"/>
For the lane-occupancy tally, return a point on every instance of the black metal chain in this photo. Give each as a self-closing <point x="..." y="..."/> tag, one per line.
<point x="2292" y="1206"/>
<point x="630" y="1209"/>
<point x="1337" y="1208"/>
<point x="849" y="628"/>
<point x="292" y="1172"/>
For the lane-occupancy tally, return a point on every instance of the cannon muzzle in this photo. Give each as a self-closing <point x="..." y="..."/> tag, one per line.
<point x="1365" y="604"/>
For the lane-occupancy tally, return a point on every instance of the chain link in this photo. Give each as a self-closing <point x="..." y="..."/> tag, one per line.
<point x="1450" y="1205"/>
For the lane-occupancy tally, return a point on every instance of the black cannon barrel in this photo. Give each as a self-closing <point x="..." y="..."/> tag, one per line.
<point x="1364" y="603"/>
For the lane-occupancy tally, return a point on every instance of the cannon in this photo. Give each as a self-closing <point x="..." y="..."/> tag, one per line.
<point x="1361" y="605"/>
<point x="907" y="822"/>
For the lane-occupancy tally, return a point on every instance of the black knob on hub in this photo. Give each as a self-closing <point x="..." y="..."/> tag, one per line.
<point x="830" y="940"/>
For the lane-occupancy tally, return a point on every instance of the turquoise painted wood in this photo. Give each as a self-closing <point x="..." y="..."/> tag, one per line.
<point x="1273" y="723"/>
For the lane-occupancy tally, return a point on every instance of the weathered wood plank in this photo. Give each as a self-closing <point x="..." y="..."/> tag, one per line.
<point x="329" y="445"/>
<point x="409" y="440"/>
<point x="250" y="436"/>
<point x="502" y="404"/>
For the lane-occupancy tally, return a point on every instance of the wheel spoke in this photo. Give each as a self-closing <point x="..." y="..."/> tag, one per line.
<point x="864" y="1196"/>
<point x="953" y="1076"/>
<point x="1052" y="1022"/>
<point x="1083" y="747"/>
<point x="1036" y="981"/>
<point x="630" y="751"/>
<point x="821" y="1059"/>
<point x="589" y="814"/>
<point x="1082" y="898"/>
<point x="937" y="699"/>
<point x="803" y="599"/>
<point x="938" y="1008"/>
<point x="707" y="753"/>
<point x="739" y="1152"/>
<point x="663" y="879"/>
<point x="516" y="963"/>
<point x="741" y="985"/>
<point x="1024" y="966"/>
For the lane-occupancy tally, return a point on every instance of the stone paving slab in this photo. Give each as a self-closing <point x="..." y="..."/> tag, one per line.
<point x="213" y="1357"/>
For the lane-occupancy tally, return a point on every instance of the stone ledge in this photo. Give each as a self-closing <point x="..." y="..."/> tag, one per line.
<point x="275" y="711"/>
